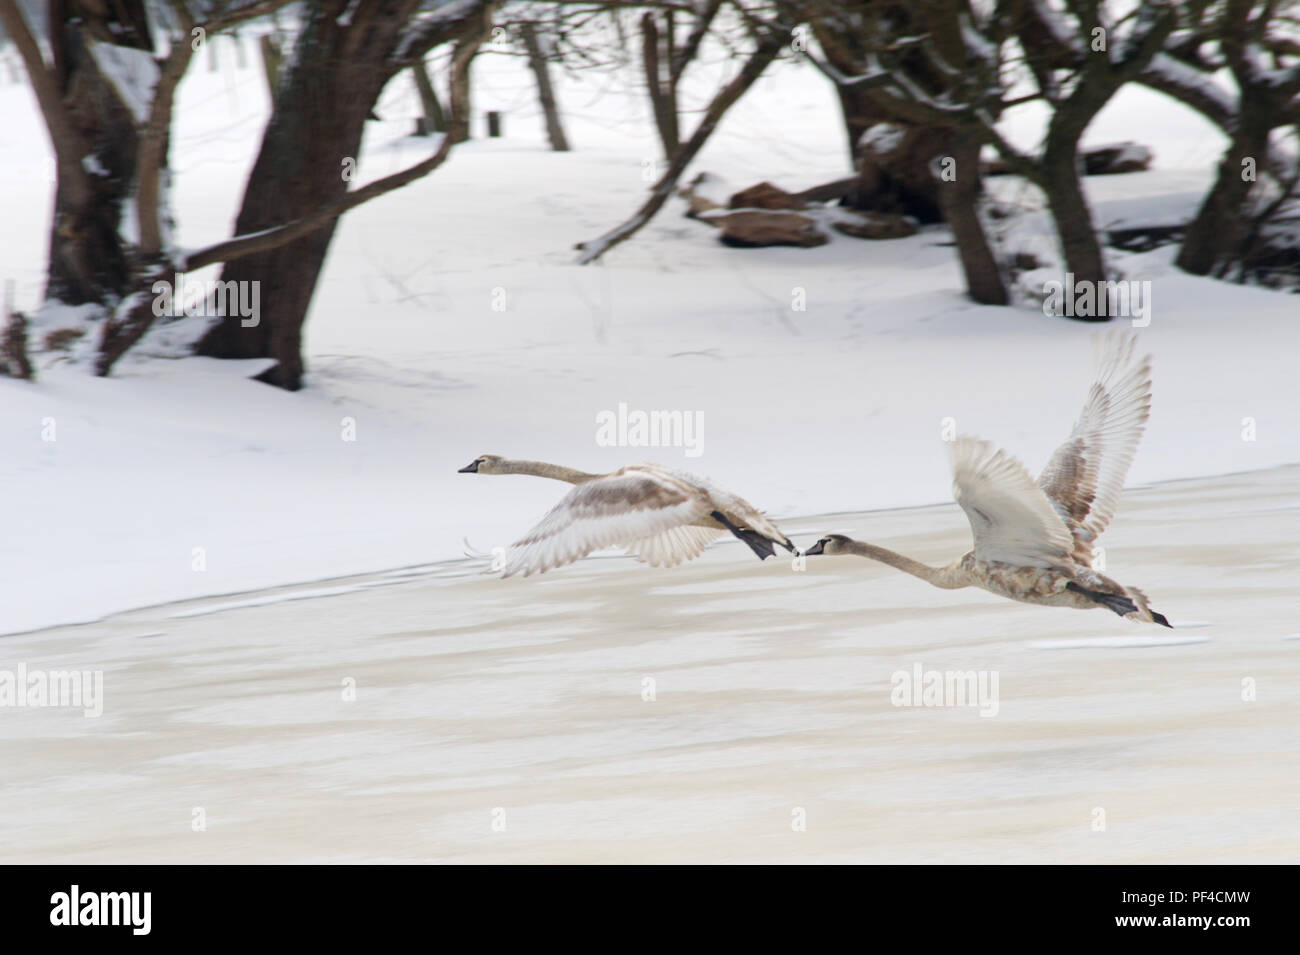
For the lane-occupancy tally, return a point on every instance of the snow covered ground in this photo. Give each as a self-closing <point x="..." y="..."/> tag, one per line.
<point x="181" y="478"/>
<point x="725" y="710"/>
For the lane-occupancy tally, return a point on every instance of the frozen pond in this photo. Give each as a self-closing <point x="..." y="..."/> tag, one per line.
<point x="725" y="710"/>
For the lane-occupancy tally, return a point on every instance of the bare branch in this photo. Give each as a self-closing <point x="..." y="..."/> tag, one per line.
<point x="768" y="47"/>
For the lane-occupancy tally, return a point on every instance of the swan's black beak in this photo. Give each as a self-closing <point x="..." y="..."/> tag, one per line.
<point x="815" y="549"/>
<point x="471" y="468"/>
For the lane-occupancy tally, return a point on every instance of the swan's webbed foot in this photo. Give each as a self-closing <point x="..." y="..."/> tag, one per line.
<point x="759" y="544"/>
<point x="1117" y="602"/>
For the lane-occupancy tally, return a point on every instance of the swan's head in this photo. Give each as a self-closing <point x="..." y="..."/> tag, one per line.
<point x="483" y="464"/>
<point x="830" y="545"/>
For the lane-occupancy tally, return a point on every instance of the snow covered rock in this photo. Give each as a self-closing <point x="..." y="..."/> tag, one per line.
<point x="758" y="227"/>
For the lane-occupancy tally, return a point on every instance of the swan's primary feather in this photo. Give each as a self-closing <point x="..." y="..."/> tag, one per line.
<point x="1010" y="517"/>
<point x="675" y="545"/>
<point x="632" y="507"/>
<point x="1085" y="475"/>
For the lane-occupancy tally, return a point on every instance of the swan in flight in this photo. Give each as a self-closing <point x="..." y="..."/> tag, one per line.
<point x="1034" y="541"/>
<point x="661" y="516"/>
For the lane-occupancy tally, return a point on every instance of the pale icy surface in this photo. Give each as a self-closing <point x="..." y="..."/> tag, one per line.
<point x="772" y="695"/>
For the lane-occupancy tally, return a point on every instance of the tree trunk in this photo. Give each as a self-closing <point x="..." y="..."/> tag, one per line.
<point x="859" y="114"/>
<point x="434" y="120"/>
<point x="1215" y="234"/>
<point x="959" y="201"/>
<point x="1070" y="212"/>
<point x="545" y="93"/>
<point x="87" y="261"/>
<point x="310" y="143"/>
<point x="320" y="110"/>
<point x="272" y="61"/>
<point x="663" y="98"/>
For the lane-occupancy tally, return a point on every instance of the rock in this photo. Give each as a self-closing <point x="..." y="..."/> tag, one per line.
<point x="750" y="228"/>
<point x="874" y="225"/>
<point x="1115" y="158"/>
<point x="766" y="196"/>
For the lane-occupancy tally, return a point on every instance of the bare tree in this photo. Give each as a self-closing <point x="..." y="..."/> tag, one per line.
<point x="93" y="135"/>
<point x="664" y="62"/>
<point x="1266" y="69"/>
<point x="1253" y="44"/>
<point x="296" y="192"/>
<point x="539" y="63"/>
<point x="770" y="37"/>
<point x="930" y="70"/>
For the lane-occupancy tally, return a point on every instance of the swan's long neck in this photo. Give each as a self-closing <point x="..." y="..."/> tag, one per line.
<point x="945" y="577"/>
<point x="557" y="472"/>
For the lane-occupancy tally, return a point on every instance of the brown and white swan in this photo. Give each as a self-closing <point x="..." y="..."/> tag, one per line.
<point x="661" y="516"/>
<point x="1034" y="541"/>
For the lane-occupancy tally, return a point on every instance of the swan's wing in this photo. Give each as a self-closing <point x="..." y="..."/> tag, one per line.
<point x="1010" y="516"/>
<point x="1085" y="475"/>
<point x="673" y="546"/>
<point x="624" y="508"/>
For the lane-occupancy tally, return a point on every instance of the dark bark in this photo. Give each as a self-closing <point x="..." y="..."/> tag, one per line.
<point x="272" y="61"/>
<point x="859" y="113"/>
<point x="545" y="92"/>
<point x="959" y="201"/>
<point x="324" y="98"/>
<point x="905" y="179"/>
<point x="434" y="119"/>
<point x="663" y="92"/>
<point x="87" y="260"/>
<point x="1216" y="233"/>
<point x="320" y="112"/>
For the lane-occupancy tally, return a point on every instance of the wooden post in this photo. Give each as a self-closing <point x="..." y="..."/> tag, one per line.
<point x="545" y="92"/>
<point x="494" y="124"/>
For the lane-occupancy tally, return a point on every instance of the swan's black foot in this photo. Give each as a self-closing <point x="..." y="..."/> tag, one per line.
<point x="1117" y="602"/>
<point x="759" y="544"/>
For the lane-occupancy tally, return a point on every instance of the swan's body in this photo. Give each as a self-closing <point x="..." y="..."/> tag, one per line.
<point x="661" y="516"/>
<point x="1034" y="541"/>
